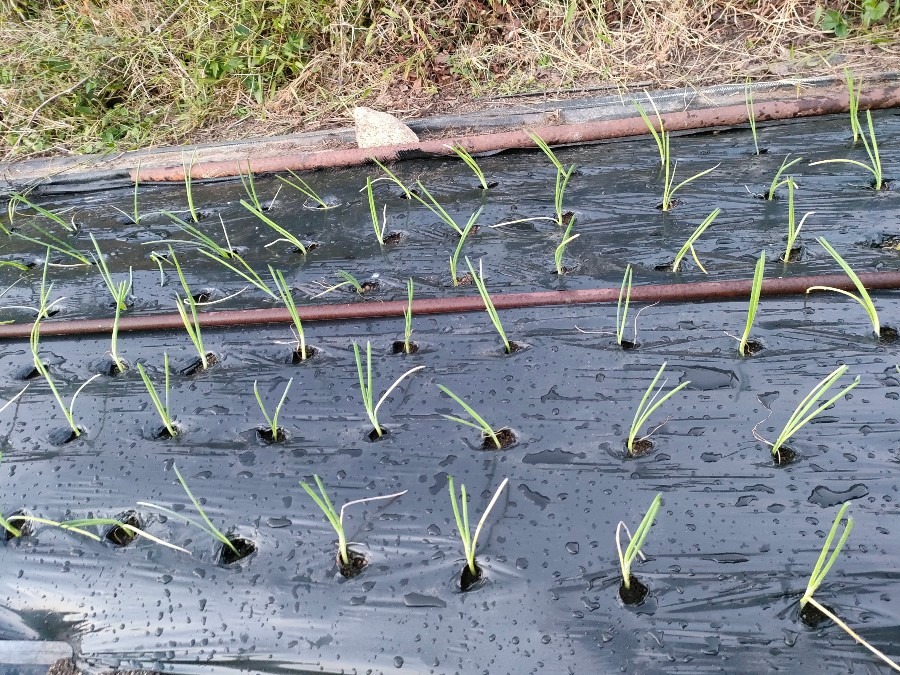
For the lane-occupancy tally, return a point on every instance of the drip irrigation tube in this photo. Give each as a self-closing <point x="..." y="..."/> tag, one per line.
<point x="695" y="292"/>
<point x="824" y="104"/>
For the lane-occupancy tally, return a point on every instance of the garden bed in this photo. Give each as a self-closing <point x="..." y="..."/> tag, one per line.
<point x="735" y="539"/>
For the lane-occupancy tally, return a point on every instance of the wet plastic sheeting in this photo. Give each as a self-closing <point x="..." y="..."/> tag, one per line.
<point x="734" y="542"/>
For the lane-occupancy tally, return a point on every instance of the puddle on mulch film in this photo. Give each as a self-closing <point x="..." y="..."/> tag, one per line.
<point x="735" y="534"/>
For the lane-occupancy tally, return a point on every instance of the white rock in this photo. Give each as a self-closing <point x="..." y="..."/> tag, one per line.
<point x="375" y="129"/>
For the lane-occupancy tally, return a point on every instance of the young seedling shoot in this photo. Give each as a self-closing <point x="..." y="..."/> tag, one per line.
<point x="368" y="394"/>
<point x="746" y="346"/>
<point x="352" y="281"/>
<point x="478" y="278"/>
<point x="234" y="548"/>
<point x="805" y="412"/>
<point x="120" y="531"/>
<point x="459" y="245"/>
<point x="751" y="117"/>
<point x="471" y="573"/>
<point x="188" y="168"/>
<point x="567" y="239"/>
<point x="853" y="95"/>
<point x="871" y="146"/>
<point x="470" y="162"/>
<point x="632" y="591"/>
<point x="812" y="612"/>
<point x="313" y="200"/>
<point x="622" y="314"/>
<point x="169" y="429"/>
<point x="249" y="186"/>
<point x="20" y="198"/>
<point x="648" y="405"/>
<point x="438" y="210"/>
<point x="777" y="182"/>
<point x="689" y="244"/>
<point x="273" y="433"/>
<point x="380" y="226"/>
<point x="792" y="251"/>
<point x="286" y="236"/>
<point x="350" y="562"/>
<point x="192" y="323"/>
<point x="119" y="292"/>
<point x="390" y="176"/>
<point x="563" y="175"/>
<point x="883" y="333"/>
<point x="54" y="243"/>
<point x="491" y="440"/>
<point x="301" y="351"/>
<point x="406" y="345"/>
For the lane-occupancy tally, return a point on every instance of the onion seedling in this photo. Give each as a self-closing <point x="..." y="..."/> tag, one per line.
<point x="439" y="210"/>
<point x="567" y="239"/>
<point x="454" y="259"/>
<point x="755" y="288"/>
<point x="657" y="135"/>
<point x="648" y="405"/>
<point x="54" y="243"/>
<point x="472" y="572"/>
<point x="288" y="299"/>
<point x="285" y="235"/>
<point x="689" y="244"/>
<point x="348" y="280"/>
<point x="871" y="146"/>
<point x="188" y="182"/>
<point x="622" y="308"/>
<point x="273" y="433"/>
<point x="776" y="181"/>
<point x="206" y="526"/>
<point x="365" y="387"/>
<point x="826" y="560"/>
<point x="19" y="198"/>
<point x="805" y="412"/>
<point x="853" y="95"/>
<point x="489" y="305"/>
<point x="407" y="318"/>
<point x="346" y="556"/>
<point x="303" y="188"/>
<point x="562" y="176"/>
<point x="470" y="162"/>
<point x="161" y="408"/>
<point x="487" y="432"/>
<point x="250" y="189"/>
<point x="381" y="227"/>
<point x="119" y="293"/>
<point x="863" y="297"/>
<point x="632" y="551"/>
<point x="793" y="227"/>
<point x="130" y="531"/>
<point x="192" y="323"/>
<point x="751" y="115"/>
<point x="407" y="194"/>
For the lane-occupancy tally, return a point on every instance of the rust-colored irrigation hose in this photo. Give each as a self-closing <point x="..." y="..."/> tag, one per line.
<point x="695" y="292"/>
<point x="824" y="104"/>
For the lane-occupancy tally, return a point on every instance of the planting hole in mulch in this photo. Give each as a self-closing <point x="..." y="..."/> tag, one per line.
<point x="796" y="255"/>
<point x="374" y="437"/>
<point x="506" y="437"/>
<point x="196" y="365"/>
<point x="567" y="217"/>
<point x="310" y="246"/>
<point x="392" y="238"/>
<point x="244" y="547"/>
<point x="265" y="435"/>
<point x="753" y="347"/>
<point x="886" y="184"/>
<point x="812" y="616"/>
<point x="399" y="347"/>
<point x="357" y="563"/>
<point x="665" y="267"/>
<point x="784" y="456"/>
<point x="297" y="355"/>
<point x="204" y="295"/>
<point x="514" y="347"/>
<point x="887" y="241"/>
<point x="639" y="448"/>
<point x="65" y="435"/>
<point x="122" y="536"/>
<point x="628" y="345"/>
<point x="490" y="184"/>
<point x="469" y="581"/>
<point x="465" y="280"/>
<point x="29" y="372"/>
<point x="162" y="433"/>
<point x="109" y="368"/>
<point x="369" y="286"/>
<point x="313" y="205"/>
<point x="887" y="335"/>
<point x="635" y="594"/>
<point x="26" y="527"/>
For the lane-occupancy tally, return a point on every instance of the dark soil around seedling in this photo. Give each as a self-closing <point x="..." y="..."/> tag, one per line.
<point x="469" y="581"/>
<point x="25" y="527"/>
<point x="121" y="536"/>
<point x="399" y="347"/>
<point x="640" y="448"/>
<point x="888" y="335"/>
<point x="465" y="280"/>
<point x="244" y="547"/>
<point x="297" y="356"/>
<point x="375" y="438"/>
<point x="196" y="365"/>
<point x="784" y="456"/>
<point x="506" y="437"/>
<point x="753" y="347"/>
<point x="357" y="563"/>
<point x="109" y="368"/>
<point x="628" y="345"/>
<point x="635" y="594"/>
<point x="65" y="435"/>
<point x="29" y="372"/>
<point x="795" y="255"/>
<point x="162" y="433"/>
<point x="890" y="242"/>
<point x="265" y="435"/>
<point x="392" y="238"/>
<point x="813" y="617"/>
<point x="515" y="347"/>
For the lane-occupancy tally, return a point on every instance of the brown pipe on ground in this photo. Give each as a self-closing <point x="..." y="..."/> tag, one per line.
<point x="834" y="102"/>
<point x="695" y="292"/>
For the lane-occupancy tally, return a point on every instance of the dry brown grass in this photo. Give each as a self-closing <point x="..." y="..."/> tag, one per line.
<point x="88" y="76"/>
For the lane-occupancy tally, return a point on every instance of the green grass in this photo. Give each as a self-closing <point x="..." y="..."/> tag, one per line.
<point x="272" y="419"/>
<point x="365" y="386"/>
<point x="648" y="405"/>
<point x="162" y="408"/>
<point x="461" y="515"/>
<point x="755" y="289"/>
<point x="635" y="542"/>
<point x="486" y="429"/>
<point x="807" y="410"/>
<point x="689" y="244"/>
<point x="861" y="296"/>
